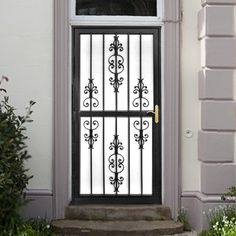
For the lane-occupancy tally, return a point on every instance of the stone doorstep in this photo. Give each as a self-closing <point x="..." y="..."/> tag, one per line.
<point x="193" y="233"/>
<point x="116" y="228"/>
<point x="118" y="212"/>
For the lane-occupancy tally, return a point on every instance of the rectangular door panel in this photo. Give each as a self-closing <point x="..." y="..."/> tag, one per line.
<point x="116" y="143"/>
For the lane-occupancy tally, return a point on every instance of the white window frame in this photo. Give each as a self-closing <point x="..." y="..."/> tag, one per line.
<point x="112" y="20"/>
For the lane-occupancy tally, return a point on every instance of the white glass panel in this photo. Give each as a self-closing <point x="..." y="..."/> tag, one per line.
<point x="135" y="166"/>
<point x="110" y="95"/>
<point x="85" y="161"/>
<point x="122" y="95"/>
<point x="137" y="151"/>
<point x="147" y="68"/>
<point x="97" y="68"/>
<point x="134" y="72"/>
<point x="109" y="136"/>
<point x="97" y="154"/>
<point x="109" y="90"/>
<point x="84" y="67"/>
<point x="147" y="160"/>
<point x="134" y="67"/>
<point x="104" y="143"/>
<point x="123" y="137"/>
<point x="122" y="124"/>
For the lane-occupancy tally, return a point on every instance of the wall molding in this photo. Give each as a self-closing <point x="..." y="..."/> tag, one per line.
<point x="198" y="205"/>
<point x="39" y="192"/>
<point x="218" y="2"/>
<point x="39" y="204"/>
<point x="202" y="197"/>
<point x="61" y="108"/>
<point x="171" y="11"/>
<point x="171" y="118"/>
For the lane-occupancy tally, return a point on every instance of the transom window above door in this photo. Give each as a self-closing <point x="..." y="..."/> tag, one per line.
<point x="116" y="10"/>
<point x="117" y="7"/>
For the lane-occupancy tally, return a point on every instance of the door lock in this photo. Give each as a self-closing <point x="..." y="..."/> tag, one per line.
<point x="156" y="113"/>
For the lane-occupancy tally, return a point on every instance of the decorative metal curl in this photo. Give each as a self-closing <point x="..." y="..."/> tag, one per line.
<point x="116" y="64"/>
<point x="91" y="89"/>
<point x="141" y="138"/>
<point x="140" y="89"/>
<point x="116" y="165"/>
<point x="91" y="138"/>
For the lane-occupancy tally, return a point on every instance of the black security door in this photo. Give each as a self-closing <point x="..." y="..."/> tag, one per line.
<point x="116" y="115"/>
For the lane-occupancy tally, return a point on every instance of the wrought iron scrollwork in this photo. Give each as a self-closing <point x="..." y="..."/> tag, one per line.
<point x="91" y="89"/>
<point x="116" y="64"/>
<point x="91" y="137"/>
<point x="140" y="89"/>
<point x="116" y="165"/>
<point x="116" y="67"/>
<point x="141" y="138"/>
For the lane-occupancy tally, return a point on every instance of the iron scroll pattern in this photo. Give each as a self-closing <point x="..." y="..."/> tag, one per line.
<point x="91" y="137"/>
<point x="90" y="89"/>
<point x="140" y="89"/>
<point x="116" y="160"/>
<point x="116" y="64"/>
<point x="141" y="138"/>
<point x="116" y="163"/>
<point x="91" y="101"/>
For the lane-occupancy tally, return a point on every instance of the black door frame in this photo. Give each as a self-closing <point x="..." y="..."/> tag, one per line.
<point x="157" y="171"/>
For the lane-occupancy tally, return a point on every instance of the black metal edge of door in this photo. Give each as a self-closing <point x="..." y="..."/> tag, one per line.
<point x="156" y="197"/>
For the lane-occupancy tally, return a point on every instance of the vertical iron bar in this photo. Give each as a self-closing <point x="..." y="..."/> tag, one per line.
<point x="155" y="94"/>
<point x="116" y="97"/>
<point x="103" y="71"/>
<point x="116" y="72"/>
<point x="128" y="91"/>
<point x="91" y="152"/>
<point x="141" y="119"/>
<point x="128" y="71"/>
<point x="79" y="125"/>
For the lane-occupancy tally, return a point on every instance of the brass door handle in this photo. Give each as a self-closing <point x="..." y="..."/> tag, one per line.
<point x="156" y="113"/>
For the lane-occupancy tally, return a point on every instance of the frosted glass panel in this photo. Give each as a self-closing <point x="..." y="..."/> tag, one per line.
<point x="91" y="156"/>
<point x="116" y="148"/>
<point x="119" y="78"/>
<point x="141" y="72"/>
<point x="141" y="155"/>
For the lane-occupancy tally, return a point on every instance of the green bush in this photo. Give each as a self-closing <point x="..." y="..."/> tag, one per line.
<point x="183" y="218"/>
<point x="208" y="232"/>
<point x="217" y="215"/>
<point x="232" y="191"/>
<point x="35" y="227"/>
<point x="13" y="154"/>
<point x="222" y="221"/>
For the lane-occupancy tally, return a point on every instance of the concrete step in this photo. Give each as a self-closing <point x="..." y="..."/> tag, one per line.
<point x="116" y="228"/>
<point x="118" y="212"/>
<point x="192" y="233"/>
